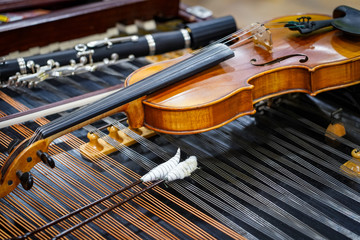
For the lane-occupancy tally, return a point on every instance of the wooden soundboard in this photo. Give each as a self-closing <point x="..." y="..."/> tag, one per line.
<point x="79" y="21"/>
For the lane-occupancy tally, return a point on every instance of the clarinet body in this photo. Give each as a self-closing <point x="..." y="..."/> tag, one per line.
<point x="29" y="71"/>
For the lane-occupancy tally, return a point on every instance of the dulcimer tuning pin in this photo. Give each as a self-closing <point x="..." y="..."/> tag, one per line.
<point x="113" y="133"/>
<point x="26" y="179"/>
<point x="45" y="157"/>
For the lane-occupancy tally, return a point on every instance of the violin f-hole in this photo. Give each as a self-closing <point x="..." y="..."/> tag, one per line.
<point x="277" y="60"/>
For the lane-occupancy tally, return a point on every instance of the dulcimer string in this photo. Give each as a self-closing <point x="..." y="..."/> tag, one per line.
<point x="225" y="40"/>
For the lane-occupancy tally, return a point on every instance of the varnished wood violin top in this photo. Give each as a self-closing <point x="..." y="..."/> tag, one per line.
<point x="217" y="96"/>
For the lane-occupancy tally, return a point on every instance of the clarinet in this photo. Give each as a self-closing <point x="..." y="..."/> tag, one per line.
<point x="29" y="71"/>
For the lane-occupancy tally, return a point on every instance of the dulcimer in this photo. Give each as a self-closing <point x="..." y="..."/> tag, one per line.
<point x="213" y="86"/>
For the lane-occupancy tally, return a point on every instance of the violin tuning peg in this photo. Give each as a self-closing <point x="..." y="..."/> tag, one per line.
<point x="26" y="179"/>
<point x="45" y="157"/>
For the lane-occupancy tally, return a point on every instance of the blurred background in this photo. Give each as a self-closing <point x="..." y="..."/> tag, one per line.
<point x="249" y="11"/>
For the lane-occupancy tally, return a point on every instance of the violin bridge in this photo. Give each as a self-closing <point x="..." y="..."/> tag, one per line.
<point x="97" y="146"/>
<point x="262" y="37"/>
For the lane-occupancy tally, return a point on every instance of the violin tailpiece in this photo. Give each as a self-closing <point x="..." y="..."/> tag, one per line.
<point x="97" y="147"/>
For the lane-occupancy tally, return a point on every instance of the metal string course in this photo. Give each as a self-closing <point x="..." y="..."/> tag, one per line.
<point x="254" y="219"/>
<point x="154" y="148"/>
<point x="148" y="164"/>
<point x="248" y="164"/>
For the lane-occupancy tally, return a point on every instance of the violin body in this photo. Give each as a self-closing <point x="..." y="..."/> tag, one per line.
<point x="228" y="91"/>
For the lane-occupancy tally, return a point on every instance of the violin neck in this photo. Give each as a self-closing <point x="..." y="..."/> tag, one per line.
<point x="204" y="59"/>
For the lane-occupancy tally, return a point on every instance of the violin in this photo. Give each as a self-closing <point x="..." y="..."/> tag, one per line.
<point x="212" y="87"/>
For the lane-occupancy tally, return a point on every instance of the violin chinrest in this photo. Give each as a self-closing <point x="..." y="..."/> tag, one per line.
<point x="347" y="19"/>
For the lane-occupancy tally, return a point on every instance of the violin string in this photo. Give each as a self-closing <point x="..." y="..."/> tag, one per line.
<point x="235" y="36"/>
<point x="84" y="113"/>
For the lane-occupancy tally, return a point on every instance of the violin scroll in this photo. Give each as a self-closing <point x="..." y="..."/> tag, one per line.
<point x="18" y="165"/>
